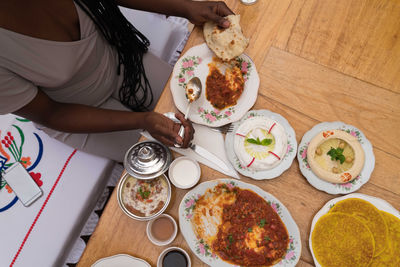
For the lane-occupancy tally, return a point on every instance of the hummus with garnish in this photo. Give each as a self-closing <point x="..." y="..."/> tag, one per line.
<point x="335" y="156"/>
<point x="260" y="143"/>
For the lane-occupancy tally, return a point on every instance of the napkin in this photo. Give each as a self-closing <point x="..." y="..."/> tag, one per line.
<point x="210" y="140"/>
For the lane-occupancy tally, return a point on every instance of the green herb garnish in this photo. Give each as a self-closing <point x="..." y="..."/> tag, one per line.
<point x="250" y="230"/>
<point x="264" y="142"/>
<point x="262" y="223"/>
<point x="337" y="154"/>
<point x="266" y="238"/>
<point x="144" y="194"/>
<point x="230" y="238"/>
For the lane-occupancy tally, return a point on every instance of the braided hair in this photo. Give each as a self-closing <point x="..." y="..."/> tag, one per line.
<point x="135" y="91"/>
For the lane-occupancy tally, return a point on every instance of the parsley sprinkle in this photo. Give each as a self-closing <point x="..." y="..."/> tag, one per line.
<point x="230" y="237"/>
<point x="144" y="194"/>
<point x="262" y="223"/>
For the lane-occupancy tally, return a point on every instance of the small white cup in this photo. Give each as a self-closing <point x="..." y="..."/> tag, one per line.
<point x="165" y="251"/>
<point x="161" y="242"/>
<point x="194" y="174"/>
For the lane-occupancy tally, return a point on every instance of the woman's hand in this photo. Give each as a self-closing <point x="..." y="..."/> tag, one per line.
<point x="199" y="12"/>
<point x="166" y="130"/>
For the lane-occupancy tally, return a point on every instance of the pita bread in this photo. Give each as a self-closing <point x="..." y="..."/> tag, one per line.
<point x="390" y="256"/>
<point x="339" y="239"/>
<point x="226" y="43"/>
<point x="370" y="215"/>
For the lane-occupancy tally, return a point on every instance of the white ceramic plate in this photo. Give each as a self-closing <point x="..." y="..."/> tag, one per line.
<point x="377" y="202"/>
<point x="203" y="251"/>
<point x="195" y="63"/>
<point x="328" y="187"/>
<point x="286" y="161"/>
<point x="121" y="260"/>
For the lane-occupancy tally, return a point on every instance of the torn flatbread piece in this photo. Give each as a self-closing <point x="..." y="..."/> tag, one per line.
<point x="226" y="43"/>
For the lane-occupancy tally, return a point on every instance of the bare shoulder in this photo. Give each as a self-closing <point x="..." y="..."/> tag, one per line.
<point x="14" y="14"/>
<point x="7" y="13"/>
<point x="44" y="19"/>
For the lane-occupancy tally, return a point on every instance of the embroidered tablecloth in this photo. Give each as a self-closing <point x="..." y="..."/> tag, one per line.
<point x="43" y="233"/>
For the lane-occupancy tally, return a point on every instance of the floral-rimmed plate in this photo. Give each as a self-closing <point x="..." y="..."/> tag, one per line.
<point x="283" y="165"/>
<point x="121" y="260"/>
<point x="195" y="63"/>
<point x="203" y="250"/>
<point x="380" y="204"/>
<point x="328" y="187"/>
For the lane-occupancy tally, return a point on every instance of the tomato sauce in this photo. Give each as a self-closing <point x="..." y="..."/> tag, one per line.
<point x="252" y="233"/>
<point x="224" y="90"/>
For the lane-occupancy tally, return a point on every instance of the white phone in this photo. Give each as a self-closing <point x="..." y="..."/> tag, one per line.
<point x="26" y="189"/>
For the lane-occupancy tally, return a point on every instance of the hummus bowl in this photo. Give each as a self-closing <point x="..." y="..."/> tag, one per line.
<point x="354" y="183"/>
<point x="143" y="200"/>
<point x="335" y="156"/>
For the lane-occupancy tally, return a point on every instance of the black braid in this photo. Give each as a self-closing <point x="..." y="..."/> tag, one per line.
<point x="135" y="92"/>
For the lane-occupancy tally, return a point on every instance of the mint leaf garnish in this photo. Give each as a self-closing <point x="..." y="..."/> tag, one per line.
<point x="264" y="142"/>
<point x="336" y="154"/>
<point x="252" y="141"/>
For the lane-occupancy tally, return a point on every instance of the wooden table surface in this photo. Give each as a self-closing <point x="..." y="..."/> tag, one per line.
<point x="318" y="60"/>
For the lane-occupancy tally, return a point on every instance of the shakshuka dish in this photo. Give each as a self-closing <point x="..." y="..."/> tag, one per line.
<point x="240" y="226"/>
<point x="223" y="90"/>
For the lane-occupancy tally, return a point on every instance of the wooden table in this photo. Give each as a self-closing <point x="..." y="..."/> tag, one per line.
<point x="318" y="60"/>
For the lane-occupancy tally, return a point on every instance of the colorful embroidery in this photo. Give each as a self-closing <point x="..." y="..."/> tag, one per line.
<point x="11" y="151"/>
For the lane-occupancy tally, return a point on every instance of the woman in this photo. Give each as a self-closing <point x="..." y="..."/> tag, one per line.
<point x="76" y="69"/>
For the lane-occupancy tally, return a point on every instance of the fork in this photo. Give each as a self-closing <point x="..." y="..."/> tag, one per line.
<point x="227" y="128"/>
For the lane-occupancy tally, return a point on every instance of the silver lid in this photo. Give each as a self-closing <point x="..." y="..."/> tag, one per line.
<point x="147" y="160"/>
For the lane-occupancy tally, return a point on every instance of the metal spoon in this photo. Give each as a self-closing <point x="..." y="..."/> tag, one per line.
<point x="192" y="91"/>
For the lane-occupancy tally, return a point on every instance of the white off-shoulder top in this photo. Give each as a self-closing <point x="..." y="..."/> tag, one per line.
<point x="83" y="71"/>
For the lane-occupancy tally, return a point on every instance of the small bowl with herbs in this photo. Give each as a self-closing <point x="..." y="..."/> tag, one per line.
<point x="143" y="199"/>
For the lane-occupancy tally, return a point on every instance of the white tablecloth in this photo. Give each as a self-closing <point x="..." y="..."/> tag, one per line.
<point x="43" y="233"/>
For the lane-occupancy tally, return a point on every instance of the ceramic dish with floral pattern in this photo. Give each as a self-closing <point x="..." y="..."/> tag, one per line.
<point x="204" y="251"/>
<point x="380" y="204"/>
<point x="195" y="63"/>
<point x="336" y="188"/>
<point x="281" y="166"/>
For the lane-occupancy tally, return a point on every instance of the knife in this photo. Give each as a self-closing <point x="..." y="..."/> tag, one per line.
<point x="199" y="150"/>
<point x="202" y="152"/>
<point x="213" y="158"/>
